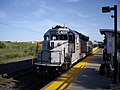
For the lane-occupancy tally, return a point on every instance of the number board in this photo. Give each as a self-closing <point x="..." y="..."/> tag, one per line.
<point x="63" y="32"/>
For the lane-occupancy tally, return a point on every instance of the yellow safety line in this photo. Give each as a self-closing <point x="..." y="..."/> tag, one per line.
<point x="66" y="80"/>
<point x="96" y="51"/>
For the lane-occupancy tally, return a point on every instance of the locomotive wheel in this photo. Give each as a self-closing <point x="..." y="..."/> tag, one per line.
<point x="67" y="63"/>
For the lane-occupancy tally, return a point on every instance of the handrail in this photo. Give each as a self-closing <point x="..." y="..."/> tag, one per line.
<point x="52" y="50"/>
<point x="118" y="58"/>
<point x="60" y="45"/>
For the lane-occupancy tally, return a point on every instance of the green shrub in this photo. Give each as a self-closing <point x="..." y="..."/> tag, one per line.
<point x="13" y="50"/>
<point x="2" y="45"/>
<point x="11" y="55"/>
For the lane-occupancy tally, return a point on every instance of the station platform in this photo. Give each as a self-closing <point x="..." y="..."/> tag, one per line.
<point x="82" y="76"/>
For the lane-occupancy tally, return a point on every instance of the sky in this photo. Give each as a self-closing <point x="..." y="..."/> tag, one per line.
<point x="28" y="20"/>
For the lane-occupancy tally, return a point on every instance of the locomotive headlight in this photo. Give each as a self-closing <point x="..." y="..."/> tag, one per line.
<point x="37" y="67"/>
<point x="56" y="69"/>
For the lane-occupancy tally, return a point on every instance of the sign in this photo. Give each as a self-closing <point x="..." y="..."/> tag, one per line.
<point x="110" y="45"/>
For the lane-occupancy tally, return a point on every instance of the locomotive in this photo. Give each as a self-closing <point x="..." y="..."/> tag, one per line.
<point x="61" y="48"/>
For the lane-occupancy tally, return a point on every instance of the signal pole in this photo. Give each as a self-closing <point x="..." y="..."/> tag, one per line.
<point x="115" y="53"/>
<point x="105" y="10"/>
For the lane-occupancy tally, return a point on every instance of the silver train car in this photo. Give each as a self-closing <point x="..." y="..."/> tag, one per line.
<point x="62" y="47"/>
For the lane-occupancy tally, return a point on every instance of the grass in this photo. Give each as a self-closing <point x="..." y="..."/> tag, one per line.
<point x="10" y="50"/>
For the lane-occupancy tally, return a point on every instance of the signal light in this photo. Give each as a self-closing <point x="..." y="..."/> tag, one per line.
<point x="105" y="9"/>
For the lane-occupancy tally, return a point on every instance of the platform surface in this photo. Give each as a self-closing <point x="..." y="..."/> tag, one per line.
<point x="83" y="76"/>
<point x="90" y="77"/>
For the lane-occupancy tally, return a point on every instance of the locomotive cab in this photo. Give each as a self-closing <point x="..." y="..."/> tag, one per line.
<point x="55" y="45"/>
<point x="62" y="47"/>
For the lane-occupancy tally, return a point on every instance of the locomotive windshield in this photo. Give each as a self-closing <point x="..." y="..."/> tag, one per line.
<point x="59" y="37"/>
<point x="63" y="37"/>
<point x="54" y="37"/>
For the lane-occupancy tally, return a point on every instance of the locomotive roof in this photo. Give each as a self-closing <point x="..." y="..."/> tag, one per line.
<point x="58" y="27"/>
<point x="86" y="38"/>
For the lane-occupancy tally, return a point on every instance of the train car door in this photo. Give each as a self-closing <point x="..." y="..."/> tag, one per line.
<point x="71" y="41"/>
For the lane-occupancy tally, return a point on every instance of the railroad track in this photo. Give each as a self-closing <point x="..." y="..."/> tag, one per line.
<point x="25" y="79"/>
<point x="11" y="79"/>
<point x="17" y="73"/>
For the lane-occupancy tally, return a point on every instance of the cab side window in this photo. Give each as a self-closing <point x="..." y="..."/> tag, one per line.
<point x="71" y="38"/>
<point x="46" y="37"/>
<point x="54" y="37"/>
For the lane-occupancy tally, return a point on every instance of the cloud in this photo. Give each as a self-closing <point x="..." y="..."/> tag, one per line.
<point x="32" y="26"/>
<point x="72" y="0"/>
<point x="77" y="13"/>
<point x="42" y="11"/>
<point x="18" y="3"/>
<point x="95" y="33"/>
<point x="2" y="15"/>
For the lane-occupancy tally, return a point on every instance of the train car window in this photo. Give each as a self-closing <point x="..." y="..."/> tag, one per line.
<point x="54" y="37"/>
<point x="46" y="37"/>
<point x="71" y="38"/>
<point x="63" y="37"/>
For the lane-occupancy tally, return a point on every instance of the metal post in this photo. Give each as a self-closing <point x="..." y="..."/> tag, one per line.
<point x="108" y="9"/>
<point x="115" y="52"/>
<point x="119" y="72"/>
<point x="37" y="46"/>
<point x="36" y="52"/>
